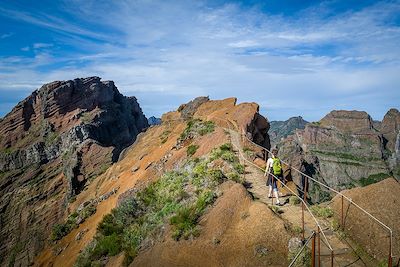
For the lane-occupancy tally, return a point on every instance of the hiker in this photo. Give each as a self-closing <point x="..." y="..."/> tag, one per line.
<point x="274" y="169"/>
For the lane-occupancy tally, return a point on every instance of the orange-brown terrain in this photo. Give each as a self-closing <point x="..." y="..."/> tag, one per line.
<point x="86" y="182"/>
<point x="241" y="226"/>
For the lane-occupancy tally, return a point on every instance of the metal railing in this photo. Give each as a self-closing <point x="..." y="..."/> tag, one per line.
<point x="304" y="205"/>
<point x="351" y="202"/>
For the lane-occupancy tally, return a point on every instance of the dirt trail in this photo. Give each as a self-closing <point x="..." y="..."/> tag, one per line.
<point x="292" y="214"/>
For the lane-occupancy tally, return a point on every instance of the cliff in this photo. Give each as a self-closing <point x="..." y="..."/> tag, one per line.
<point x="344" y="149"/>
<point x="52" y="145"/>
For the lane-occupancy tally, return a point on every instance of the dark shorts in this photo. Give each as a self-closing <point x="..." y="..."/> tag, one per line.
<point x="273" y="181"/>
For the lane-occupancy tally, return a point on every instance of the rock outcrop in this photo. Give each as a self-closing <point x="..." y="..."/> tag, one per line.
<point x="52" y="144"/>
<point x="342" y="150"/>
<point x="281" y="129"/>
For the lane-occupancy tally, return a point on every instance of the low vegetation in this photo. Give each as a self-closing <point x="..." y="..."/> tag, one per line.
<point x="374" y="178"/>
<point x="345" y="156"/>
<point x="164" y="136"/>
<point x="62" y="229"/>
<point x="320" y="211"/>
<point x="178" y="197"/>
<point x="191" y="150"/>
<point x="197" y="127"/>
<point x="304" y="258"/>
<point x="293" y="200"/>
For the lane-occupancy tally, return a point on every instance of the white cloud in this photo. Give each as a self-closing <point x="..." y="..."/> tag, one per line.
<point x="25" y="48"/>
<point x="173" y="51"/>
<point x="6" y="35"/>
<point x="41" y="45"/>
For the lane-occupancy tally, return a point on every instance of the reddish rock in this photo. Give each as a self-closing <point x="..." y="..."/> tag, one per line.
<point x="61" y="136"/>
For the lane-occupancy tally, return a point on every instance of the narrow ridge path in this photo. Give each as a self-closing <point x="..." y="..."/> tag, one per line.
<point x="292" y="214"/>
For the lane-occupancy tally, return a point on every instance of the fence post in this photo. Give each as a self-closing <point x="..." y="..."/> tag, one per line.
<point x="319" y="247"/>
<point x="313" y="251"/>
<point x="342" y="218"/>
<point x="390" y="252"/>
<point x="302" y="217"/>
<point x="332" y="258"/>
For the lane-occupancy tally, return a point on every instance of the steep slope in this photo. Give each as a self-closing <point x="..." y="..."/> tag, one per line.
<point x="381" y="200"/>
<point x="183" y="139"/>
<point x="52" y="145"/>
<point x="281" y="129"/>
<point x="343" y="150"/>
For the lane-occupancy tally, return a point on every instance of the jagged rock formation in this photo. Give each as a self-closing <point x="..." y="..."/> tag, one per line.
<point x="154" y="121"/>
<point x="342" y="149"/>
<point x="52" y="144"/>
<point x="281" y="129"/>
<point x="390" y="128"/>
<point x="187" y="110"/>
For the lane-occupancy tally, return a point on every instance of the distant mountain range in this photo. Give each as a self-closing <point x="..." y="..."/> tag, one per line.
<point x="154" y="121"/>
<point x="281" y="129"/>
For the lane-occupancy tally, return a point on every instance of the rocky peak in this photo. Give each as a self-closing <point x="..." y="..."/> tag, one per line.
<point x="281" y="129"/>
<point x="187" y="110"/>
<point x="390" y="127"/>
<point x="348" y="121"/>
<point x="52" y="145"/>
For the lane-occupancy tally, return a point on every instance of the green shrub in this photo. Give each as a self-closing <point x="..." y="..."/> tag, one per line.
<point x="239" y="168"/>
<point x="374" y="178"/>
<point x="216" y="175"/>
<point x="184" y="222"/>
<point x="297" y="229"/>
<point x="334" y="225"/>
<point x="109" y="226"/>
<point x="293" y="200"/>
<point x="323" y="212"/>
<point x="164" y="136"/>
<point x="226" y="147"/>
<point x="229" y="156"/>
<point x="60" y="230"/>
<point x="235" y="177"/>
<point x="197" y="127"/>
<point x="191" y="150"/>
<point x="304" y="259"/>
<point x="107" y="246"/>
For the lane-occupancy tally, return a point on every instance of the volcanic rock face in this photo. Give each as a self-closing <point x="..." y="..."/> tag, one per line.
<point x="52" y="144"/>
<point x="341" y="149"/>
<point x="390" y="128"/>
<point x="281" y="129"/>
<point x="348" y="121"/>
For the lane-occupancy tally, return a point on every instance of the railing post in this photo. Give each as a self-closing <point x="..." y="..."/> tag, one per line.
<point x="390" y="252"/>
<point x="319" y="247"/>
<point x="342" y="217"/>
<point x="305" y="189"/>
<point x="313" y="251"/>
<point x="302" y="217"/>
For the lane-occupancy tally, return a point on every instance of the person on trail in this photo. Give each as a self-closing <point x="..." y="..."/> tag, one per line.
<point x="273" y="171"/>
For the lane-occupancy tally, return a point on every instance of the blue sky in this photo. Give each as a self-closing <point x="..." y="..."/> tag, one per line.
<point x="292" y="57"/>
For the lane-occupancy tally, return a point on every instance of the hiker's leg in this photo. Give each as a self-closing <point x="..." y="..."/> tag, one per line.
<point x="269" y="183"/>
<point x="275" y="188"/>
